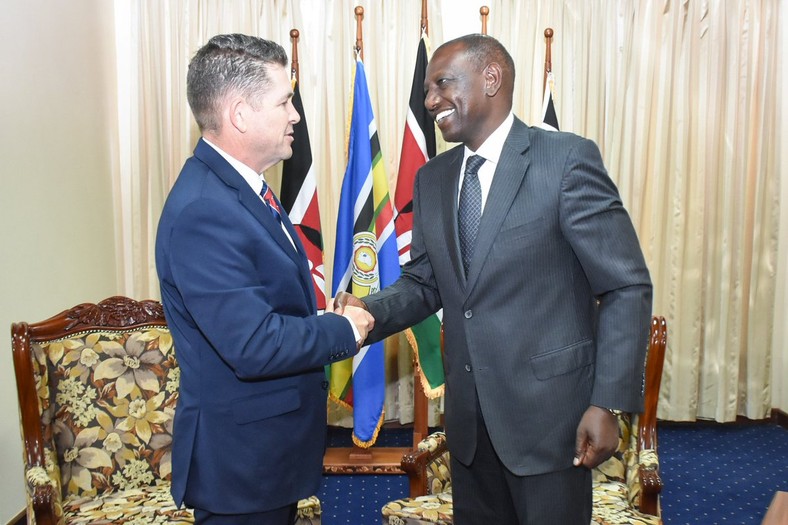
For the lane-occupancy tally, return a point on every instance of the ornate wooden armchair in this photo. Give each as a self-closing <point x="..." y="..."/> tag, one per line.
<point x="625" y="488"/>
<point x="98" y="388"/>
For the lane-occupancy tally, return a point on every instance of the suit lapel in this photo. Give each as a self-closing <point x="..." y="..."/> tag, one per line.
<point x="258" y="209"/>
<point x="508" y="179"/>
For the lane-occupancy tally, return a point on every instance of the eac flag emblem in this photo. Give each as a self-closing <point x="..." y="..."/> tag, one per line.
<point x="365" y="263"/>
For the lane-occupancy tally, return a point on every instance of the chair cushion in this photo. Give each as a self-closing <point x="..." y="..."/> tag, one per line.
<point x="611" y="506"/>
<point x="435" y="509"/>
<point x="152" y="504"/>
<point x="309" y="511"/>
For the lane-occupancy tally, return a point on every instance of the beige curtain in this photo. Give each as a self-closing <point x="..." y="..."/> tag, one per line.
<point x="681" y="96"/>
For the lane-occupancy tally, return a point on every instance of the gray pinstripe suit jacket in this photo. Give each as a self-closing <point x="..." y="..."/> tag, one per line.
<point x="555" y="311"/>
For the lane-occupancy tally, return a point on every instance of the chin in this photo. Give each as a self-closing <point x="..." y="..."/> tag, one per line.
<point x="451" y="134"/>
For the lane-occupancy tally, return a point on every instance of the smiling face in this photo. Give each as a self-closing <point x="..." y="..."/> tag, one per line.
<point x="464" y="94"/>
<point x="455" y="94"/>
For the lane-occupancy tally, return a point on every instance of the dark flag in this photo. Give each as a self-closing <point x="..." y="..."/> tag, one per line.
<point x="549" y="117"/>
<point x="418" y="146"/>
<point x="299" y="198"/>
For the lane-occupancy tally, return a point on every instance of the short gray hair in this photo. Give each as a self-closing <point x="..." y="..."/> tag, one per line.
<point x="232" y="63"/>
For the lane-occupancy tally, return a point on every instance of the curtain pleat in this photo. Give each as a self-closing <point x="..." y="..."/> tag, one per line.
<point x="682" y="98"/>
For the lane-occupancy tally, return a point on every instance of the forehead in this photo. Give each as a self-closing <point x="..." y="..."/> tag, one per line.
<point x="448" y="58"/>
<point x="278" y="80"/>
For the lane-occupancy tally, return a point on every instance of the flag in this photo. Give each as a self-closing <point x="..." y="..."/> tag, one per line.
<point x="418" y="146"/>
<point x="298" y="195"/>
<point x="365" y="260"/>
<point x="549" y="117"/>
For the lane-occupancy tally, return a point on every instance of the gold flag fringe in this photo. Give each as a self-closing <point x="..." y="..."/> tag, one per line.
<point x="367" y="444"/>
<point x="431" y="393"/>
<point x="341" y="402"/>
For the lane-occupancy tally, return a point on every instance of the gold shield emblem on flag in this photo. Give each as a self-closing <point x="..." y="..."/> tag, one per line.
<point x="365" y="261"/>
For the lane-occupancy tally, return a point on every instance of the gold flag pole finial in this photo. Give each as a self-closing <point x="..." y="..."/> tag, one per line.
<point x="484" y="11"/>
<point x="294" y="56"/>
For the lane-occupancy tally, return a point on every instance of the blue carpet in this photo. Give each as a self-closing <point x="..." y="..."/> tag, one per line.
<point x="717" y="474"/>
<point x="357" y="499"/>
<point x="713" y="474"/>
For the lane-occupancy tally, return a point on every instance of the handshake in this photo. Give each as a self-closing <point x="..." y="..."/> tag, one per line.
<point x="355" y="310"/>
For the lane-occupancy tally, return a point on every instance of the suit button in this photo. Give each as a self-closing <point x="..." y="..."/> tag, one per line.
<point x="467" y="367"/>
<point x="468" y="314"/>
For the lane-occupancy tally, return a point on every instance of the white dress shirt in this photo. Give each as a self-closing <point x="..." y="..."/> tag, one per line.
<point x="491" y="151"/>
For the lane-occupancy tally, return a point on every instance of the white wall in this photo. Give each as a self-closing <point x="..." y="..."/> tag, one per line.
<point x="56" y="214"/>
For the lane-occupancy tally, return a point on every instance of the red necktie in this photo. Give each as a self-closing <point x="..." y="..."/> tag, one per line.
<point x="268" y="197"/>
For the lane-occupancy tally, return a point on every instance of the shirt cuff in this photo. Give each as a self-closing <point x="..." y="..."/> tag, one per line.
<point x="356" y="335"/>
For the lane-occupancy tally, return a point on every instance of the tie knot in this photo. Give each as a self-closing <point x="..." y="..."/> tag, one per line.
<point x="473" y="164"/>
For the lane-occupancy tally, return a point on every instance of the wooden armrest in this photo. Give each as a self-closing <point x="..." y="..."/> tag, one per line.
<point x="650" y="487"/>
<point x="650" y="482"/>
<point x="648" y="469"/>
<point x="43" y="498"/>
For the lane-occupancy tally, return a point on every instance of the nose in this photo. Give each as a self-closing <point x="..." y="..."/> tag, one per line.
<point x="295" y="118"/>
<point x="430" y="100"/>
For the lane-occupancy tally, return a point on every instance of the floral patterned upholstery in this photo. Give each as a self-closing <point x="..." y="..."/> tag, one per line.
<point x="616" y="482"/>
<point x="106" y="401"/>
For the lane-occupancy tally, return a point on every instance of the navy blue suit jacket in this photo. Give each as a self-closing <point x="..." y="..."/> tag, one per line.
<point x="249" y="430"/>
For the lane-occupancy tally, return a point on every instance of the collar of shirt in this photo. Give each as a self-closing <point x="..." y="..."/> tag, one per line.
<point x="491" y="151"/>
<point x="252" y="178"/>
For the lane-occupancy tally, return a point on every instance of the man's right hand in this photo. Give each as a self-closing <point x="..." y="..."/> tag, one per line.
<point x="344" y="299"/>
<point x="362" y="319"/>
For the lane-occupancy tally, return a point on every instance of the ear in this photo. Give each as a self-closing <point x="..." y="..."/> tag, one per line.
<point x="493" y="76"/>
<point x="237" y="113"/>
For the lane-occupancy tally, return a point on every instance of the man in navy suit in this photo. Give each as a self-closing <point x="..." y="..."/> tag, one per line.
<point x="249" y="430"/>
<point x="545" y="293"/>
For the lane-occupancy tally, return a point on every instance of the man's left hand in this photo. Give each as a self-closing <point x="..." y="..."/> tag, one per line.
<point x="597" y="437"/>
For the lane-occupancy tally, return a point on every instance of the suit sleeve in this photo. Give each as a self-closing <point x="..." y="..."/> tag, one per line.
<point x="603" y="238"/>
<point x="414" y="296"/>
<point x="244" y="294"/>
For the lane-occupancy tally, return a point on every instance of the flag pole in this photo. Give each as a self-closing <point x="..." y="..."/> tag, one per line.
<point x="420" y="402"/>
<point x="425" y="24"/>
<point x="484" y="11"/>
<point x="548" y="65"/>
<point x="359" y="11"/>
<point x="358" y="460"/>
<point x="294" y="55"/>
<point x="358" y="453"/>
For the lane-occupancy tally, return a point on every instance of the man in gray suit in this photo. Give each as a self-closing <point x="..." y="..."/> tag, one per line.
<point x="545" y="293"/>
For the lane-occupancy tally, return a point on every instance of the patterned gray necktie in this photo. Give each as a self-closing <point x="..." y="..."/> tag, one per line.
<point x="470" y="212"/>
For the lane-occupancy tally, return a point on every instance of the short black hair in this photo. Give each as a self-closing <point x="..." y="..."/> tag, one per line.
<point x="483" y="49"/>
